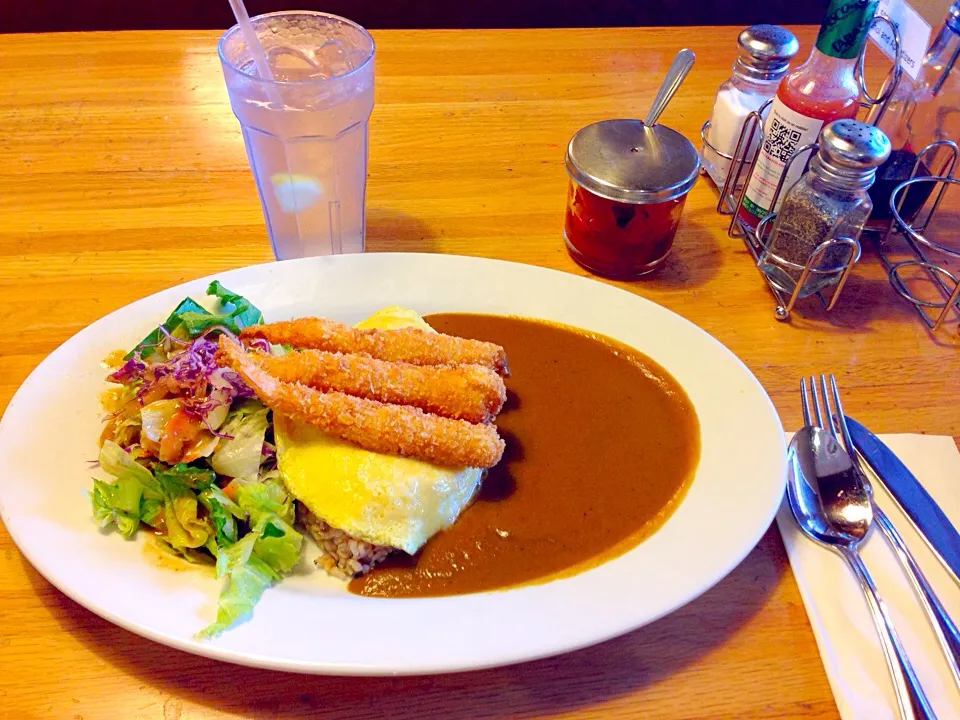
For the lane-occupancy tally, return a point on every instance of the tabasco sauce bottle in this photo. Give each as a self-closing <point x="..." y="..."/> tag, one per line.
<point x="821" y="90"/>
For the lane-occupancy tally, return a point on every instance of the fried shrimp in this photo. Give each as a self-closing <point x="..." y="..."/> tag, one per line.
<point x="468" y="392"/>
<point x="373" y="425"/>
<point x="410" y="345"/>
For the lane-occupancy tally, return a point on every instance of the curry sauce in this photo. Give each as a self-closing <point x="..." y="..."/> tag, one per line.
<point x="601" y="445"/>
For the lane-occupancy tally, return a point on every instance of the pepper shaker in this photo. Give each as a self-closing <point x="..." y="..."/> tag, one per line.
<point x="829" y="201"/>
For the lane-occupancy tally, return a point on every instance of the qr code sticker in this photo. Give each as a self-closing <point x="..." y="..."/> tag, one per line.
<point x="781" y="141"/>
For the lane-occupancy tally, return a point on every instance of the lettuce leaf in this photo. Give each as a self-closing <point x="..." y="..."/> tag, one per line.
<point x="173" y="325"/>
<point x="260" y="558"/>
<point x="262" y="499"/>
<point x="151" y="512"/>
<point x="155" y="416"/>
<point x="224" y="514"/>
<point x="190" y="319"/>
<point x="165" y="499"/>
<point x="240" y="454"/>
<point x="185" y="529"/>
<point x="237" y="312"/>
<point x="133" y="493"/>
<point x="191" y="555"/>
<point x="119" y="463"/>
<point x="278" y="544"/>
<point x="247" y="576"/>
<point x="117" y="503"/>
<point x="181" y="476"/>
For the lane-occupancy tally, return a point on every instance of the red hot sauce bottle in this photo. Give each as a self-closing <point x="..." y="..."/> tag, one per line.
<point x="818" y="92"/>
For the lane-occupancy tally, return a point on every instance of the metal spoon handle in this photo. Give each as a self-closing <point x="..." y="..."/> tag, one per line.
<point x="911" y="699"/>
<point x="943" y="626"/>
<point x="678" y="71"/>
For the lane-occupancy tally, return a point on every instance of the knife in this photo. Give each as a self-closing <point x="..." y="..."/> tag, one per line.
<point x="927" y="517"/>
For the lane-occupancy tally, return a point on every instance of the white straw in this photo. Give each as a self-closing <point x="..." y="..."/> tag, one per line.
<point x="259" y="58"/>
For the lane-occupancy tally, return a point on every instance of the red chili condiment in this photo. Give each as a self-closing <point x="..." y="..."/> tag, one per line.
<point x="628" y="185"/>
<point x="619" y="239"/>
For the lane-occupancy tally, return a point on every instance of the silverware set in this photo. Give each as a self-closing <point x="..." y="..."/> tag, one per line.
<point x="831" y="498"/>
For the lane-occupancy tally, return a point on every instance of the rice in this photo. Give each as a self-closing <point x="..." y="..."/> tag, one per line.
<point x="341" y="555"/>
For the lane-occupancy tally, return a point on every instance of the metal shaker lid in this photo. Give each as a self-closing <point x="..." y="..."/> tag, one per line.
<point x="851" y="148"/>
<point x="627" y="161"/>
<point x="766" y="51"/>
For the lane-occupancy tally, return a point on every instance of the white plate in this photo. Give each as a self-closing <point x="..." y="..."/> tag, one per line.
<point x="309" y="623"/>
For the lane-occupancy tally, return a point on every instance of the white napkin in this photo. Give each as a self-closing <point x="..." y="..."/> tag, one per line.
<point x="841" y="622"/>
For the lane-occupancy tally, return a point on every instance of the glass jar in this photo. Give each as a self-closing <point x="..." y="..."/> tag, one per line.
<point x="765" y="54"/>
<point x="920" y="112"/>
<point x="628" y="185"/>
<point x="830" y="201"/>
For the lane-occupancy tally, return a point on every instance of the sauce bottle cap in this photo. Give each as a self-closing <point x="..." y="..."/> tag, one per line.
<point x="953" y="17"/>
<point x="627" y="161"/>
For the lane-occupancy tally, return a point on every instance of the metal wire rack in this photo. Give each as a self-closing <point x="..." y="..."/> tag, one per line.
<point x="730" y="202"/>
<point x="928" y="255"/>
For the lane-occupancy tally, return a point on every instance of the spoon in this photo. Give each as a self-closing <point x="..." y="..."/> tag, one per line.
<point x="832" y="507"/>
<point x="675" y="74"/>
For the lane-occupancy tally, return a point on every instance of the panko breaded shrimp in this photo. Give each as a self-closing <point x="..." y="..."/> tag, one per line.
<point x="410" y="345"/>
<point x="467" y="392"/>
<point x="375" y="426"/>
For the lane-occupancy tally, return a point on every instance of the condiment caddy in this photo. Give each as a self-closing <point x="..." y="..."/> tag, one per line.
<point x="758" y="183"/>
<point x="904" y="181"/>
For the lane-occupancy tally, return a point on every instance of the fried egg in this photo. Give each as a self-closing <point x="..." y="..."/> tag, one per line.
<point x="382" y="499"/>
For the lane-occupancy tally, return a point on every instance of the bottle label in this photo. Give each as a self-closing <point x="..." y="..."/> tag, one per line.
<point x="914" y="34"/>
<point x="844" y="27"/>
<point x="785" y="132"/>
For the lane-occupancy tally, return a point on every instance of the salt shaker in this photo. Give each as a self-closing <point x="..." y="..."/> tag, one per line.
<point x="765" y="53"/>
<point x="829" y="201"/>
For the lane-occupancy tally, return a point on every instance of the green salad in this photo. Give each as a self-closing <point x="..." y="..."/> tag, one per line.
<point x="188" y="451"/>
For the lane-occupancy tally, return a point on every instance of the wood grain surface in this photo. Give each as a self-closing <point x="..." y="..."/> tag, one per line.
<point x="123" y="172"/>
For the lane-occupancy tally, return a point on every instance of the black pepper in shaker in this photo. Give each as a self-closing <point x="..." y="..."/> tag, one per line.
<point x="829" y="201"/>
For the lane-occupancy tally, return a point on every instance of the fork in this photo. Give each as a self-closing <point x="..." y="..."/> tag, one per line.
<point x="943" y="626"/>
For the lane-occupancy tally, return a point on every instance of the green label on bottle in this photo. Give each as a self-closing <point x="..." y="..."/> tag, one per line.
<point x="845" y="27"/>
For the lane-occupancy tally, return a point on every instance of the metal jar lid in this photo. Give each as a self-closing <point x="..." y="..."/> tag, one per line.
<point x="852" y="149"/>
<point x="626" y="161"/>
<point x="766" y="51"/>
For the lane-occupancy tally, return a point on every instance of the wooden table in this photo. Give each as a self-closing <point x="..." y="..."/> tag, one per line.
<point x="123" y="172"/>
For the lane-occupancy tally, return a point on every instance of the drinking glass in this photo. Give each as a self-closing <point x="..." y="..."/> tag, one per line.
<point x="305" y="130"/>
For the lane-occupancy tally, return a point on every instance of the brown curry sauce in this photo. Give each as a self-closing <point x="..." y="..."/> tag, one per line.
<point x="602" y="444"/>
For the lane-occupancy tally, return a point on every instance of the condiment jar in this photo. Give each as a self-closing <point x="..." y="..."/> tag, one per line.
<point x="628" y="184"/>
<point x="829" y="201"/>
<point x="765" y="54"/>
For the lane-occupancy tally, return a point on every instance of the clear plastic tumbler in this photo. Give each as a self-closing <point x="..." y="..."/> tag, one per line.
<point x="306" y="130"/>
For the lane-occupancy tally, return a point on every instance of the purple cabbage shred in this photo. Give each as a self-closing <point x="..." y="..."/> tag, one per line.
<point x="130" y="370"/>
<point x="187" y="373"/>
<point x="259" y="344"/>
